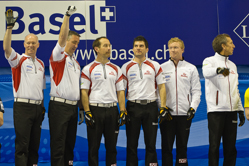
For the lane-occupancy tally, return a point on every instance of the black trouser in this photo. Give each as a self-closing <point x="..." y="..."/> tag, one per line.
<point x="106" y="123"/>
<point x="27" y="123"/>
<point x="145" y="115"/>
<point x="63" y="120"/>
<point x="178" y="128"/>
<point x="222" y="124"/>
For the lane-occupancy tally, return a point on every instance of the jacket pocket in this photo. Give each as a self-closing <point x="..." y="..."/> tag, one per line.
<point x="188" y="101"/>
<point x="217" y="97"/>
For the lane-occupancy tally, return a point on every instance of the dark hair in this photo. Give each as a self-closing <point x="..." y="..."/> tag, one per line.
<point x="141" y="38"/>
<point x="71" y="33"/>
<point x="96" y="43"/>
<point x="218" y="41"/>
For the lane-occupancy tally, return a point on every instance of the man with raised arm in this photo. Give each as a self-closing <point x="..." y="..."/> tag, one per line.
<point x="28" y="83"/>
<point x="65" y="93"/>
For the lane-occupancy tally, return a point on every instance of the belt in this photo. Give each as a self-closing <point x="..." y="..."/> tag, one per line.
<point x="143" y="102"/>
<point x="71" y="102"/>
<point x="103" y="104"/>
<point x="38" y="102"/>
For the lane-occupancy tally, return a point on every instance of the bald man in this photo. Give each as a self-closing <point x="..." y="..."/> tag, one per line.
<point x="28" y="81"/>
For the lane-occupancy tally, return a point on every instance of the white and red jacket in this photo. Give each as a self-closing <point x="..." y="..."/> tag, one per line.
<point x="103" y="82"/>
<point x="141" y="81"/>
<point x="64" y="75"/>
<point x="28" y="77"/>
<point x="183" y="88"/>
<point x="222" y="93"/>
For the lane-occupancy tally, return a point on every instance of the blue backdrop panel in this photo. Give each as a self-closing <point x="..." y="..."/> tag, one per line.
<point x="197" y="146"/>
<point x="195" y="22"/>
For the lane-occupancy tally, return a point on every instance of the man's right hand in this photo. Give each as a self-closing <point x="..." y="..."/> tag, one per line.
<point x="123" y="118"/>
<point x="70" y="10"/>
<point x="165" y="114"/>
<point x="10" y="18"/>
<point x="89" y="119"/>
<point x="222" y="70"/>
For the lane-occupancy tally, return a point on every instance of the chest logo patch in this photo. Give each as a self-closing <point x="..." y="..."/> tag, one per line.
<point x="40" y="69"/>
<point x="112" y="73"/>
<point x="70" y="65"/>
<point x="29" y="68"/>
<point x="184" y="75"/>
<point x="147" y="72"/>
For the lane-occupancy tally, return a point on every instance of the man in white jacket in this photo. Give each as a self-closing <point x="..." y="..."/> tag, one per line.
<point x="223" y="101"/>
<point x="183" y="97"/>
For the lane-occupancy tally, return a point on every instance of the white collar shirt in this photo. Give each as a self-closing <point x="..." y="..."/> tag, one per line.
<point x="64" y="75"/>
<point x="28" y="77"/>
<point x="142" y="81"/>
<point x="103" y="82"/>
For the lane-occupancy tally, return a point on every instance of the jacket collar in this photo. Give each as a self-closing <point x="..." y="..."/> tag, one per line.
<point x="221" y="57"/>
<point x="180" y="61"/>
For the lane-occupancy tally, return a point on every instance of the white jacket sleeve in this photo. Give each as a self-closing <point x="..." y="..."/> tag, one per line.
<point x="240" y="106"/>
<point x="195" y="89"/>
<point x="208" y="68"/>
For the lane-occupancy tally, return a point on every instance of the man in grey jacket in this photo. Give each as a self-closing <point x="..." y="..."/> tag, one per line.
<point x="223" y="101"/>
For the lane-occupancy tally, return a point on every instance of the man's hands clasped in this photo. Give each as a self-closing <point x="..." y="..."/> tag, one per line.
<point x="222" y="70"/>
<point x="10" y="18"/>
<point x="165" y="114"/>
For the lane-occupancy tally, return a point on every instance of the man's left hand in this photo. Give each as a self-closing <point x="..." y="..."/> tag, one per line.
<point x="241" y="118"/>
<point x="70" y="10"/>
<point x="10" y="18"/>
<point x="191" y="113"/>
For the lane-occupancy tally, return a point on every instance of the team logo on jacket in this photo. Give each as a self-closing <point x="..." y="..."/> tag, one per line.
<point x="232" y="72"/>
<point x="70" y="162"/>
<point x="29" y="68"/>
<point x="112" y="73"/>
<point x="184" y="75"/>
<point x="133" y="76"/>
<point x="183" y="160"/>
<point x="40" y="69"/>
<point x="147" y="72"/>
<point x="70" y="65"/>
<point x="167" y="76"/>
<point x="97" y="75"/>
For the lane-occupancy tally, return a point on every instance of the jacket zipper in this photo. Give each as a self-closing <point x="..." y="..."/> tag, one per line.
<point x="73" y="63"/>
<point x="33" y="60"/>
<point x="140" y="71"/>
<point x="104" y="71"/>
<point x="176" y="91"/>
